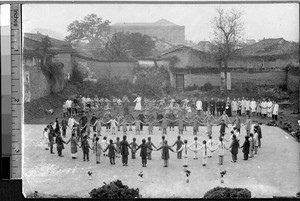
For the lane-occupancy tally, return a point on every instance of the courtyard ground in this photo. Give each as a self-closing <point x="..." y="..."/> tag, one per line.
<point x="273" y="172"/>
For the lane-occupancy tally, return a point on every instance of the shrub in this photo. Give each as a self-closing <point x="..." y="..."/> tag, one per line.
<point x="192" y="88"/>
<point x="207" y="87"/>
<point x="227" y="193"/>
<point x="115" y="189"/>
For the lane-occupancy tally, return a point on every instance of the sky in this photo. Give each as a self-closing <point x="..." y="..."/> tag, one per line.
<point x="260" y="20"/>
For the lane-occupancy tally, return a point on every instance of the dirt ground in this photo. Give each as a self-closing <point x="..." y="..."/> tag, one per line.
<point x="273" y="172"/>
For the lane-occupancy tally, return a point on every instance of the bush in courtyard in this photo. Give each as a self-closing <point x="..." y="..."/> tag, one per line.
<point x="192" y="88"/>
<point x="207" y="87"/>
<point x="115" y="189"/>
<point x="227" y="193"/>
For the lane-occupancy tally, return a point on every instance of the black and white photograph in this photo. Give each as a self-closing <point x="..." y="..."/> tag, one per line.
<point x="160" y="100"/>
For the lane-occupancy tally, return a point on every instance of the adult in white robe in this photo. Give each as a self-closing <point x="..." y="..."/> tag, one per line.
<point x="138" y="105"/>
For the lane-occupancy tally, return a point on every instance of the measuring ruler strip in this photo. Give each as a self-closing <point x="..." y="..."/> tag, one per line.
<point x="16" y="90"/>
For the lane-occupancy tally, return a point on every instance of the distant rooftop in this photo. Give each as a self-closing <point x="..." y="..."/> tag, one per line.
<point x="161" y="22"/>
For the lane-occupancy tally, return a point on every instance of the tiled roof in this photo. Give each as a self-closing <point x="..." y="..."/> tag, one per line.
<point x="267" y="47"/>
<point x="32" y="42"/>
<point x="181" y="48"/>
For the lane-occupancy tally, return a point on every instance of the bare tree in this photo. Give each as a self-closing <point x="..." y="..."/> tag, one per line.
<point x="227" y="34"/>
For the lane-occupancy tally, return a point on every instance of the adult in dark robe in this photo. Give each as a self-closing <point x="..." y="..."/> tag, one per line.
<point x="56" y="130"/>
<point x="92" y="122"/>
<point x="223" y="106"/>
<point x="228" y="108"/>
<point x="142" y="118"/>
<point x="64" y="125"/>
<point x="234" y="147"/>
<point x="125" y="107"/>
<point x="204" y="105"/>
<point x="246" y="147"/>
<point x="165" y="152"/>
<point x="212" y="106"/>
<point x="60" y="144"/>
<point x="218" y="106"/>
<point x="159" y="117"/>
<point x="257" y="126"/>
<point x="124" y="145"/>
<point x="83" y="121"/>
<point x="143" y="152"/>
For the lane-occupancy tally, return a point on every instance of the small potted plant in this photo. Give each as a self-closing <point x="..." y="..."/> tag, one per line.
<point x="222" y="173"/>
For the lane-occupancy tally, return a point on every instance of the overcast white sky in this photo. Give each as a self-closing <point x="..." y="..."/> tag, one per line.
<point x="261" y="20"/>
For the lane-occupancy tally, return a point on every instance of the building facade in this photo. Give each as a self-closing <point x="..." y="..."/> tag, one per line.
<point x="162" y="29"/>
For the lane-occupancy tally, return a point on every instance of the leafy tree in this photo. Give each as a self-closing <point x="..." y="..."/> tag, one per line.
<point x="91" y="29"/>
<point x="228" y="31"/>
<point x="129" y="45"/>
<point x="116" y="47"/>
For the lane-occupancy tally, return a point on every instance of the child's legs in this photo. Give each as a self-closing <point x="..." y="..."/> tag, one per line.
<point x="113" y="130"/>
<point x="251" y="153"/>
<point x="195" y="155"/>
<point x="204" y="160"/>
<point x="220" y="160"/>
<point x="245" y="156"/>
<point x="180" y="154"/>
<point x="255" y="148"/>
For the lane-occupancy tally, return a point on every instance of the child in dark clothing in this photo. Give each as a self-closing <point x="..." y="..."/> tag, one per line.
<point x="133" y="145"/>
<point x="179" y="144"/>
<point x="111" y="152"/>
<point x="246" y="147"/>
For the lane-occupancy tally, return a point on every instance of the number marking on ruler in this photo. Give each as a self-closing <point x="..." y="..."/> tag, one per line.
<point x="16" y="91"/>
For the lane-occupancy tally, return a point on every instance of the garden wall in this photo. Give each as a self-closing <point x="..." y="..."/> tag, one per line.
<point x="268" y="78"/>
<point x="104" y="69"/>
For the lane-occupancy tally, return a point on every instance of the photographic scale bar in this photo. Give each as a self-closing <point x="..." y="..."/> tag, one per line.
<point x="16" y="91"/>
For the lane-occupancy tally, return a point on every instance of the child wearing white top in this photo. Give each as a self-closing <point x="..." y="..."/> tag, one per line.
<point x="221" y="150"/>
<point x="210" y="145"/>
<point x="205" y="150"/>
<point x="185" y="153"/>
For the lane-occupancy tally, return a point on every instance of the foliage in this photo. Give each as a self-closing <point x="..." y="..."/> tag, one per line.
<point x="154" y="81"/>
<point x="76" y="74"/>
<point x="207" y="87"/>
<point x="115" y="190"/>
<point x="228" y="28"/>
<point x="192" y="88"/>
<point x="128" y="46"/>
<point x="91" y="29"/>
<point x="227" y="193"/>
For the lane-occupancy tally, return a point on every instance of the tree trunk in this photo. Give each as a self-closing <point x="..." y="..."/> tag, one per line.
<point x="299" y="94"/>
<point x="225" y="73"/>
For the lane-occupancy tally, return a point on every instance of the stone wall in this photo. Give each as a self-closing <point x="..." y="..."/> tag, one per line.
<point x="104" y="69"/>
<point x="268" y="78"/>
<point x="37" y="85"/>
